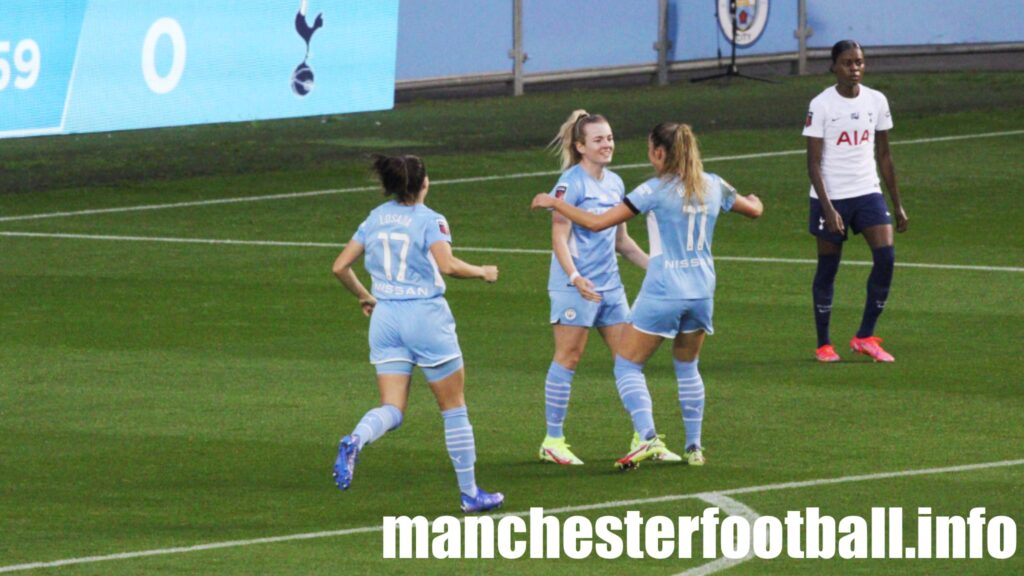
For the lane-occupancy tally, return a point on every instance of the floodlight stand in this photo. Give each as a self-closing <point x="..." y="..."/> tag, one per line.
<point x="732" y="71"/>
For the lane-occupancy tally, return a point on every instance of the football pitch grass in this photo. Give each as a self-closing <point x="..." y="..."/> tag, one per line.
<point x="178" y="362"/>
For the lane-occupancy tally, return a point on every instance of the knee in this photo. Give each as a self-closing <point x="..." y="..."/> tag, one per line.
<point x="884" y="256"/>
<point x="624" y="367"/>
<point x="568" y="358"/>
<point x="828" y="267"/>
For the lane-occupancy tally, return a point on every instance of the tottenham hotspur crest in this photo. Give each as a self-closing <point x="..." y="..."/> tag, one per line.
<point x="302" y="77"/>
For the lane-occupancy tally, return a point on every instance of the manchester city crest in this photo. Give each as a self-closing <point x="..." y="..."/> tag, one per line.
<point x="751" y="20"/>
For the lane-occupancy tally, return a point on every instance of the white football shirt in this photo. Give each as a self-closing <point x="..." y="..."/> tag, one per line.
<point x="848" y="126"/>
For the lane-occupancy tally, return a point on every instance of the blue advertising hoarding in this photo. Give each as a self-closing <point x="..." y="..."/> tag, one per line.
<point x="96" y="65"/>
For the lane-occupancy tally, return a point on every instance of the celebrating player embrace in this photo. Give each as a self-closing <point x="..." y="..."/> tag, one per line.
<point x="682" y="204"/>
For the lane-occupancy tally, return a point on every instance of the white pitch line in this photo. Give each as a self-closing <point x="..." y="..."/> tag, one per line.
<point x="483" y="249"/>
<point x="468" y="180"/>
<point x="565" y="509"/>
<point x="732" y="508"/>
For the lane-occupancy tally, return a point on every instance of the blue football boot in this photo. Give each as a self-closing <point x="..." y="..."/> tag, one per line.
<point x="482" y="502"/>
<point x="345" y="465"/>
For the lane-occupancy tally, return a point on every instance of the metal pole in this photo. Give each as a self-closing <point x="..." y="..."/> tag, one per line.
<point x="802" y="33"/>
<point x="662" y="45"/>
<point x="516" y="53"/>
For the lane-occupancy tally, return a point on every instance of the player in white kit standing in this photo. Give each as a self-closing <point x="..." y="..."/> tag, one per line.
<point x="847" y="130"/>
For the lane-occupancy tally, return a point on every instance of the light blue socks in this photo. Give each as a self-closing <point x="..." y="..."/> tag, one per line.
<point x="636" y="398"/>
<point x="458" y="438"/>
<point x="691" y="399"/>
<point x="376" y="423"/>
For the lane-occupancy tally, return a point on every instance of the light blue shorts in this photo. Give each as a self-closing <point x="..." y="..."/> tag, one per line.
<point x="667" y="318"/>
<point x="420" y="332"/>
<point x="570" y="309"/>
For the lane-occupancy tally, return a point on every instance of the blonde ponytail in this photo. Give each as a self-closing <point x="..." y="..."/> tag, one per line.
<point x="682" y="158"/>
<point x="692" y="173"/>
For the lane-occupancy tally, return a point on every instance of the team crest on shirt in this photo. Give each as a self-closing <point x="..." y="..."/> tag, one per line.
<point x="443" y="227"/>
<point x="855" y="116"/>
<point x="810" y="118"/>
<point x="560" y="190"/>
<point x="570" y="314"/>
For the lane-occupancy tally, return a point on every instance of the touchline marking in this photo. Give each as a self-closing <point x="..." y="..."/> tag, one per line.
<point x="482" y="249"/>
<point x="604" y="505"/>
<point x="468" y="180"/>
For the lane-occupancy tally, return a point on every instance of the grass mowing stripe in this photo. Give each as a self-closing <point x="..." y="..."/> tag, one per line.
<point x="482" y="249"/>
<point x="468" y="180"/>
<point x="187" y="204"/>
<point x="168" y="240"/>
<point x="706" y="496"/>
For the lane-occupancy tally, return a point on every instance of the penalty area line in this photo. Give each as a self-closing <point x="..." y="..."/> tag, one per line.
<point x="720" y="498"/>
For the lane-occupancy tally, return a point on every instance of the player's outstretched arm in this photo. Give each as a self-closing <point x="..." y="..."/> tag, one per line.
<point x="749" y="206"/>
<point x="343" y="271"/>
<point x="449" y="265"/>
<point x="595" y="222"/>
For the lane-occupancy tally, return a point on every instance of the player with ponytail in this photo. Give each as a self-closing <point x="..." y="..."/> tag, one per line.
<point x="682" y="203"/>
<point x="408" y="248"/>
<point x="583" y="284"/>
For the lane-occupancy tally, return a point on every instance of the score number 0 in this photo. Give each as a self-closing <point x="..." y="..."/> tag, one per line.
<point x="26" y="62"/>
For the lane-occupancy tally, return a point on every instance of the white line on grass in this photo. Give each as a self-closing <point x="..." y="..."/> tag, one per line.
<point x="450" y="181"/>
<point x="484" y="249"/>
<point x="564" y="509"/>
<point x="732" y="508"/>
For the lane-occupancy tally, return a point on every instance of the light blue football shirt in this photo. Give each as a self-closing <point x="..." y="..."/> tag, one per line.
<point x="593" y="253"/>
<point x="397" y="240"/>
<point x="680" y="234"/>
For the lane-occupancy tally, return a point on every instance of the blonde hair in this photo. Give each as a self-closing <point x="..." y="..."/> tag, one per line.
<point x="682" y="158"/>
<point x="570" y="133"/>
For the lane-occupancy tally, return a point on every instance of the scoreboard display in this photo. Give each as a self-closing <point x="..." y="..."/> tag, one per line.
<point x="71" y="66"/>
